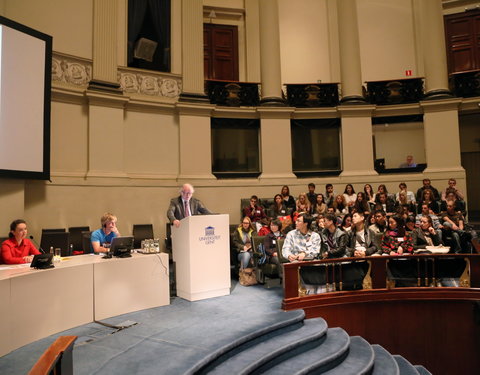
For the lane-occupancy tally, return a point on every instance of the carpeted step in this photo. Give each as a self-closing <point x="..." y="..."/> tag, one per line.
<point x="359" y="360"/>
<point x="406" y="368"/>
<point x="290" y="343"/>
<point x="422" y="370"/>
<point x="281" y="322"/>
<point x="384" y="363"/>
<point x="323" y="357"/>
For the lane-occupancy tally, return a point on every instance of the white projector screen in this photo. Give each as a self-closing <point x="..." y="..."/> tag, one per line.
<point x="25" y="73"/>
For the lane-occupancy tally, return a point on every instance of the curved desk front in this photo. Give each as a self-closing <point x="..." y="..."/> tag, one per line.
<point x="38" y="303"/>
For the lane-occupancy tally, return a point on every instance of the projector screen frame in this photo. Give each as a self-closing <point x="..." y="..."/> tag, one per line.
<point x="47" y="39"/>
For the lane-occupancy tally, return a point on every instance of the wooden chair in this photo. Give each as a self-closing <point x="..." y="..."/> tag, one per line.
<point x="57" y="359"/>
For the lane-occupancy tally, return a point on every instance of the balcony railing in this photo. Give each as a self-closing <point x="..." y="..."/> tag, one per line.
<point x="312" y="95"/>
<point x="400" y="91"/>
<point x="232" y="94"/>
<point x="465" y="84"/>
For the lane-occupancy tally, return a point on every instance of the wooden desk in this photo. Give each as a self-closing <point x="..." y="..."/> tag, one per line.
<point x="38" y="303"/>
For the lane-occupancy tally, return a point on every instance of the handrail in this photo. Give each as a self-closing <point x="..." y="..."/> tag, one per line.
<point x="377" y="274"/>
<point x="57" y="359"/>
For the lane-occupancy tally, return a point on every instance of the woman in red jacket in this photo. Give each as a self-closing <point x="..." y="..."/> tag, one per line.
<point x="18" y="249"/>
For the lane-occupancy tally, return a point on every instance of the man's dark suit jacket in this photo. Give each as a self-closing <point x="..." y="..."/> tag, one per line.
<point x="176" y="211"/>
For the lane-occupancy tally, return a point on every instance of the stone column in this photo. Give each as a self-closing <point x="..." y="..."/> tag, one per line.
<point x="350" y="64"/>
<point x="271" y="76"/>
<point x="192" y="52"/>
<point x="434" y="50"/>
<point x="105" y="15"/>
<point x="357" y="143"/>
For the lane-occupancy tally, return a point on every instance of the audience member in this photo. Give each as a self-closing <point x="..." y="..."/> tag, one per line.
<point x="101" y="238"/>
<point x="427" y="185"/>
<point x="385" y="204"/>
<point x="379" y="227"/>
<point x="428" y="198"/>
<point x="369" y="194"/>
<point x="425" y="235"/>
<point x="301" y="244"/>
<point x="303" y="204"/>
<point x="452" y="185"/>
<point x="185" y="205"/>
<point x="381" y="189"/>
<point x="410" y="197"/>
<point x="278" y="208"/>
<point x="329" y="194"/>
<point x="410" y="224"/>
<point x="361" y="204"/>
<point x="459" y="204"/>
<point x="312" y="197"/>
<point x="254" y="211"/>
<point x="265" y="228"/>
<point x="287" y="198"/>
<point x="360" y="239"/>
<point x="18" y="248"/>
<point x="270" y="244"/>
<point x="242" y="241"/>
<point x="347" y="223"/>
<point x="334" y="240"/>
<point x="320" y="207"/>
<point x="349" y="196"/>
<point x="435" y="220"/>
<point x="409" y="163"/>
<point x="396" y="241"/>
<point x="453" y="226"/>
<point x="318" y="224"/>
<point x="402" y="202"/>
<point x="339" y="206"/>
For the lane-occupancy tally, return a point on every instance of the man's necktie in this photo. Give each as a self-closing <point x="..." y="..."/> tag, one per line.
<point x="187" y="211"/>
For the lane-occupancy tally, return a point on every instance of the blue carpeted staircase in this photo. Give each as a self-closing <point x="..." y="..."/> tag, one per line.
<point x="299" y="346"/>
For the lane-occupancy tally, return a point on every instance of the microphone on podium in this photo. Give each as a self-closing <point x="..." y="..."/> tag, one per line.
<point x="36" y="244"/>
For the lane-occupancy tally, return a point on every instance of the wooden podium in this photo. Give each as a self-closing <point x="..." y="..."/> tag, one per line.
<point x="201" y="252"/>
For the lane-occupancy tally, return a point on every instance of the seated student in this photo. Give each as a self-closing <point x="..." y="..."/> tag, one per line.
<point x="303" y="204"/>
<point x="360" y="239"/>
<point x="329" y="195"/>
<point x="369" y="194"/>
<point x="459" y="204"/>
<point x="265" y="228"/>
<point x="254" y="211"/>
<point x="410" y="197"/>
<point x="334" y="240"/>
<point x="318" y="224"/>
<point x="320" y="207"/>
<point x="425" y="235"/>
<point x="288" y="200"/>
<point x="382" y="189"/>
<point x="278" y="208"/>
<point x="435" y="219"/>
<point x="270" y="244"/>
<point x="346" y="223"/>
<point x="452" y="186"/>
<point x="349" y="196"/>
<point x="402" y="202"/>
<point x="18" y="248"/>
<point x="301" y="243"/>
<point x="339" y="206"/>
<point x="361" y="204"/>
<point x="410" y="224"/>
<point x="428" y="198"/>
<point x="101" y="238"/>
<point x="396" y="241"/>
<point x="453" y="226"/>
<point x="427" y="185"/>
<point x="242" y="241"/>
<point x="385" y="204"/>
<point x="311" y="195"/>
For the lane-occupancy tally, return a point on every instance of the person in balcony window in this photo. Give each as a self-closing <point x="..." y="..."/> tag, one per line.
<point x="278" y="208"/>
<point x="409" y="163"/>
<point x="320" y="207"/>
<point x="18" y="248"/>
<point x="349" y="196"/>
<point x="288" y="200"/>
<point x="396" y="241"/>
<point x="242" y="241"/>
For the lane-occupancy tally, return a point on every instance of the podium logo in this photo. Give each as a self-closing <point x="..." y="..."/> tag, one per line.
<point x="210" y="237"/>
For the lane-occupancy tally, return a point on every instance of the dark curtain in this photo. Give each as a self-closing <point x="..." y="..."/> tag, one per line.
<point x="161" y="22"/>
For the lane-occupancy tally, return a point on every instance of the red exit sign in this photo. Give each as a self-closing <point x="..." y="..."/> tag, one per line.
<point x="408" y="73"/>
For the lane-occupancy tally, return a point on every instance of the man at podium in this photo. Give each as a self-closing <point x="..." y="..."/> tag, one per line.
<point x="185" y="205"/>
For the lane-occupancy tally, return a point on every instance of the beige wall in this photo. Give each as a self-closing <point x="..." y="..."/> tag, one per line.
<point x="385" y="29"/>
<point x="69" y="22"/>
